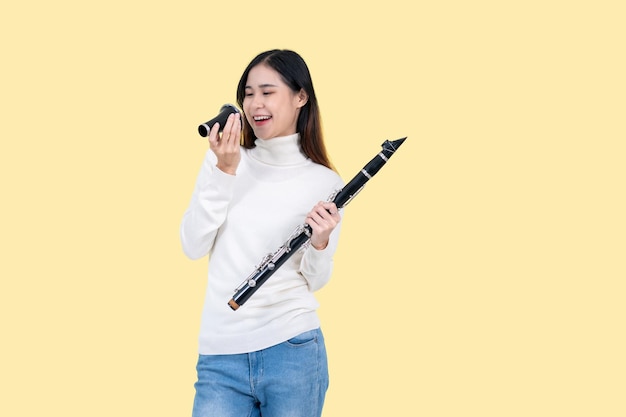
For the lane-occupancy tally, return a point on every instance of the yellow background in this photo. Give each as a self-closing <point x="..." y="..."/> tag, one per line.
<point x="480" y="273"/>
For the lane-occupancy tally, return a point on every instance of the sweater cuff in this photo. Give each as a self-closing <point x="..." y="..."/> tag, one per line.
<point x="223" y="181"/>
<point x="316" y="255"/>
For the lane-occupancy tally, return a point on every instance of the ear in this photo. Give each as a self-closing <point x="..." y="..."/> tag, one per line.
<point x="302" y="98"/>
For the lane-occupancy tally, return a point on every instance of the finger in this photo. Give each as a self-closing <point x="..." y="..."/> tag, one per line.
<point x="328" y="210"/>
<point x="331" y="208"/>
<point x="229" y="133"/>
<point x="214" y="134"/>
<point x="323" y="219"/>
<point x="318" y="227"/>
<point x="315" y="216"/>
<point x="318" y="212"/>
<point x="226" y="130"/>
<point x="235" y="130"/>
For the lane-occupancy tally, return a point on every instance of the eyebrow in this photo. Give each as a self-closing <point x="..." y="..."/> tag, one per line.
<point x="263" y="86"/>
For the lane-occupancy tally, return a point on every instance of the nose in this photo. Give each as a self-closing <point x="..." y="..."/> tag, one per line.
<point x="257" y="101"/>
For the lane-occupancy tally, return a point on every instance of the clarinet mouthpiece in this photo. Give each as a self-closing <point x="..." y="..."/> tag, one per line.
<point x="390" y="146"/>
<point x="396" y="143"/>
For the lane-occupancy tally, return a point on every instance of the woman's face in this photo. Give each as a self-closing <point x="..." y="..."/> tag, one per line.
<point x="270" y="106"/>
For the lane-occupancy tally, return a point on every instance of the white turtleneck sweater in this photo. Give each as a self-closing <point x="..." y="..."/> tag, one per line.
<point x="237" y="220"/>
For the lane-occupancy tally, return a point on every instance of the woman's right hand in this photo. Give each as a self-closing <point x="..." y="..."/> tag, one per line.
<point x="227" y="145"/>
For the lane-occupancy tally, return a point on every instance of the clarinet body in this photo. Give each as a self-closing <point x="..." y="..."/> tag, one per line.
<point x="302" y="235"/>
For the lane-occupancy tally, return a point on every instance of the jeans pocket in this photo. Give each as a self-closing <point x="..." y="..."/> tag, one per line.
<point x="303" y="339"/>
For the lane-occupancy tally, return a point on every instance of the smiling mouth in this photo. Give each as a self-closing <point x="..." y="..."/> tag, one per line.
<point x="261" y="118"/>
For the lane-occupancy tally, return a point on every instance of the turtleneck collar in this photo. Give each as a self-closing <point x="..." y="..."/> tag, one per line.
<point x="284" y="150"/>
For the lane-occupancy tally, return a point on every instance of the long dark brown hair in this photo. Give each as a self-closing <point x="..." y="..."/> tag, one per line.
<point x="295" y="73"/>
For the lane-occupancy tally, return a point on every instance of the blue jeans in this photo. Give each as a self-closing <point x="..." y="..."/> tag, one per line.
<point x="286" y="380"/>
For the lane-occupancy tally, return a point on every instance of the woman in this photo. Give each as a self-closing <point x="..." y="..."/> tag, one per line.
<point x="268" y="358"/>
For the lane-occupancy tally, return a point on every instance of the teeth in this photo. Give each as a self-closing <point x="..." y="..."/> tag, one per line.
<point x="259" y="118"/>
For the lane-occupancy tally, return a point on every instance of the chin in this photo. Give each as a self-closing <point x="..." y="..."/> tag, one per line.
<point x="261" y="134"/>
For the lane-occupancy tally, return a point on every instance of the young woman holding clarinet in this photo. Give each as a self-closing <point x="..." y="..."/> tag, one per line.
<point x="266" y="173"/>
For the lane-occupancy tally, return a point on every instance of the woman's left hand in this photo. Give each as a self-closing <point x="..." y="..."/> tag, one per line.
<point x="323" y="219"/>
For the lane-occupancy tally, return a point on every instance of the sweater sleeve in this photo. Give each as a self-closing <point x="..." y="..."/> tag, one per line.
<point x="317" y="265"/>
<point x="207" y="210"/>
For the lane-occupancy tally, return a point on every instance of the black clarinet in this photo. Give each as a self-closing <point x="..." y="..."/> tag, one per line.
<point x="302" y="235"/>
